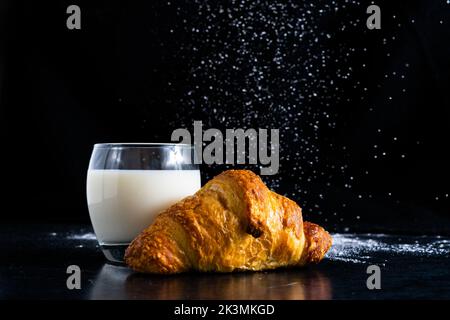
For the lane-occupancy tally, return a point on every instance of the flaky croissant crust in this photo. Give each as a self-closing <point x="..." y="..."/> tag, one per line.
<point x="234" y="222"/>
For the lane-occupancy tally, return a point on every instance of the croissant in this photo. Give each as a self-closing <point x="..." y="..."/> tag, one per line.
<point x="233" y="223"/>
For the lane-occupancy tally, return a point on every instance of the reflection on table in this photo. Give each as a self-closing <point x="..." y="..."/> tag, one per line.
<point x="118" y="282"/>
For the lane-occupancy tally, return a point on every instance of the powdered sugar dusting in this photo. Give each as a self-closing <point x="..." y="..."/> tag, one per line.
<point x="360" y="248"/>
<point x="84" y="236"/>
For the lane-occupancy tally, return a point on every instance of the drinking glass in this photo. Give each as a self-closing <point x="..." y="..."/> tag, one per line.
<point x="128" y="184"/>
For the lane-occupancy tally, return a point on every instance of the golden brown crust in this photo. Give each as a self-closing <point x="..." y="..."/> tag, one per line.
<point x="233" y="223"/>
<point x="318" y="242"/>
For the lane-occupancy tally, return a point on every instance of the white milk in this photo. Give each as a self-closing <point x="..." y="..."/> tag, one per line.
<point x="124" y="202"/>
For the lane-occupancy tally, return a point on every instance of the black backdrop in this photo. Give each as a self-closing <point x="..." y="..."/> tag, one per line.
<point x="366" y="151"/>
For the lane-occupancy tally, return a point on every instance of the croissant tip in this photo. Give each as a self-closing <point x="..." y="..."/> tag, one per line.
<point x="319" y="241"/>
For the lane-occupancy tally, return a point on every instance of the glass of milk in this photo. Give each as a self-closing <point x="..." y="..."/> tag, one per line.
<point x="128" y="184"/>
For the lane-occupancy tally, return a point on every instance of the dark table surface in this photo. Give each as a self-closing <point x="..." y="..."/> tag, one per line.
<point x="35" y="260"/>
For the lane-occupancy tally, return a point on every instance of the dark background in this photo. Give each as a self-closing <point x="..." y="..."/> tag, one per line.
<point x="366" y="151"/>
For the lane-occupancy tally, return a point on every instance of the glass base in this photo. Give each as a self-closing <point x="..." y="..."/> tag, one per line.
<point x="114" y="253"/>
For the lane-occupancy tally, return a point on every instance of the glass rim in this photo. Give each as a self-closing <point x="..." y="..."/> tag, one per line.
<point x="141" y="145"/>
